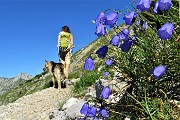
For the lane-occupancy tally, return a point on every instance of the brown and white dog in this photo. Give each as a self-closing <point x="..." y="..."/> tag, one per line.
<point x="56" y="70"/>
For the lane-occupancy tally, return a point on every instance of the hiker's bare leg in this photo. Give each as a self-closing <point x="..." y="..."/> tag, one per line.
<point x="59" y="84"/>
<point x="67" y="70"/>
<point x="53" y="81"/>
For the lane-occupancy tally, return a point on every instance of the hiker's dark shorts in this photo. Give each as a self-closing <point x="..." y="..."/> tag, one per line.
<point x="64" y="57"/>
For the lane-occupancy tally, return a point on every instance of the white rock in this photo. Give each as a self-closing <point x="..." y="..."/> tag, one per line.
<point x="73" y="112"/>
<point x="127" y="118"/>
<point x="69" y="103"/>
<point x="117" y="86"/>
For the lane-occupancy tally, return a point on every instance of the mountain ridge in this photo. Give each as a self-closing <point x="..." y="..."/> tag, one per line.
<point x="7" y="84"/>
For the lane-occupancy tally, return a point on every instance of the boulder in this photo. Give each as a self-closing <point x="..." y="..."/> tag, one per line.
<point x="117" y="86"/>
<point x="73" y="112"/>
<point x="69" y="103"/>
<point x="99" y="85"/>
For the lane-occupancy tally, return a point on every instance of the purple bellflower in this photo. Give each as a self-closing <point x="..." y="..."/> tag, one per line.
<point x="105" y="93"/>
<point x="92" y="111"/>
<point x="133" y="38"/>
<point x="104" y="112"/>
<point x="158" y="71"/>
<point x="106" y="74"/>
<point x="100" y="18"/>
<point x="138" y="22"/>
<point x="165" y="32"/>
<point x="109" y="61"/>
<point x="84" y="109"/>
<point x="156" y="8"/>
<point x="89" y="64"/>
<point x="111" y="19"/>
<point x="144" y="5"/>
<point x="124" y="34"/>
<point x="145" y="26"/>
<point x="126" y="31"/>
<point x="115" y="40"/>
<point x="125" y="47"/>
<point x="129" y="19"/>
<point x="164" y="4"/>
<point x="100" y="30"/>
<point x="102" y="51"/>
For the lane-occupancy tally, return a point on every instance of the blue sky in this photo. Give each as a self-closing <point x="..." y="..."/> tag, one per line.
<point x="29" y="29"/>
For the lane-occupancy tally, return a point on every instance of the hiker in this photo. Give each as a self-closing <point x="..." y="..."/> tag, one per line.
<point x="65" y="45"/>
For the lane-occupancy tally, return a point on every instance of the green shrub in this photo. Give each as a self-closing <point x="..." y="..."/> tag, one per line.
<point x="86" y="80"/>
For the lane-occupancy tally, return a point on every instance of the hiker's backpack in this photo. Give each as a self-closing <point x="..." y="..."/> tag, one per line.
<point x="64" y="41"/>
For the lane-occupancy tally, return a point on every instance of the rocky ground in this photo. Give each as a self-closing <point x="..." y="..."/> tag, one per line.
<point x="37" y="106"/>
<point x="54" y="104"/>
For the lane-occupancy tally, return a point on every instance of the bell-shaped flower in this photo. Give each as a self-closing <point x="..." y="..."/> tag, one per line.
<point x="106" y="74"/>
<point x="115" y="40"/>
<point x="144" y="5"/>
<point x="103" y="112"/>
<point x="164" y="4"/>
<point x="105" y="93"/>
<point x="109" y="61"/>
<point x="89" y="64"/>
<point x="145" y="26"/>
<point x="111" y="19"/>
<point x="124" y="34"/>
<point x="102" y="51"/>
<point x="130" y="19"/>
<point x="125" y="47"/>
<point x="133" y="38"/>
<point x="156" y="8"/>
<point x="100" y="30"/>
<point x="100" y="18"/>
<point x="138" y="22"/>
<point x="158" y="71"/>
<point x="165" y="32"/>
<point x="95" y="118"/>
<point x="92" y="111"/>
<point x="126" y="31"/>
<point x="84" y="109"/>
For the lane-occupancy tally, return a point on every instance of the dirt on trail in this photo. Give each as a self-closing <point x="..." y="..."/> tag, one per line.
<point x="36" y="106"/>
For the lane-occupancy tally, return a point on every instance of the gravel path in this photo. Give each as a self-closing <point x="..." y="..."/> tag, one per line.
<point x="36" y="106"/>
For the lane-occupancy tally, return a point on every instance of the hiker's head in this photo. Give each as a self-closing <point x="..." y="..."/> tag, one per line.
<point x="66" y="29"/>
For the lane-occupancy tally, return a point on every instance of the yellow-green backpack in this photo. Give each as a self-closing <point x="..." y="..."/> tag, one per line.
<point x="64" y="40"/>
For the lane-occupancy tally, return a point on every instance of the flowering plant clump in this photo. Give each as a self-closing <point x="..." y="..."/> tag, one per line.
<point x="146" y="52"/>
<point x="91" y="111"/>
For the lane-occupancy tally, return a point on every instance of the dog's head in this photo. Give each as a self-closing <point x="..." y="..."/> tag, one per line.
<point x="47" y="65"/>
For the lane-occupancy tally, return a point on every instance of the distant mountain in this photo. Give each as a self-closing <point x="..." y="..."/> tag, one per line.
<point x="7" y="84"/>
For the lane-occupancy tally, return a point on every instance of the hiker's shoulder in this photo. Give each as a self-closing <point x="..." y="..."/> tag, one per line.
<point x="62" y="32"/>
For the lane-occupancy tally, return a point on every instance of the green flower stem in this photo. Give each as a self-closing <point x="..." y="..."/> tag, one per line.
<point x="146" y="105"/>
<point x="137" y="102"/>
<point x="108" y="36"/>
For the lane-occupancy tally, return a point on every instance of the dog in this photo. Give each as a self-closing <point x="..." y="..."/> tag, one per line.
<point x="57" y="72"/>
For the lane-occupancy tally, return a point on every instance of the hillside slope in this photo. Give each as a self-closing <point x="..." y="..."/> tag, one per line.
<point x="79" y="57"/>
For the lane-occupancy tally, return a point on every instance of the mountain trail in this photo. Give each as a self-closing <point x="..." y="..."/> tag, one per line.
<point x="36" y="106"/>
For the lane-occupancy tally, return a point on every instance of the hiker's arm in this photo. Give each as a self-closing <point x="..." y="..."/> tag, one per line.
<point x="72" y="40"/>
<point x="58" y="40"/>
